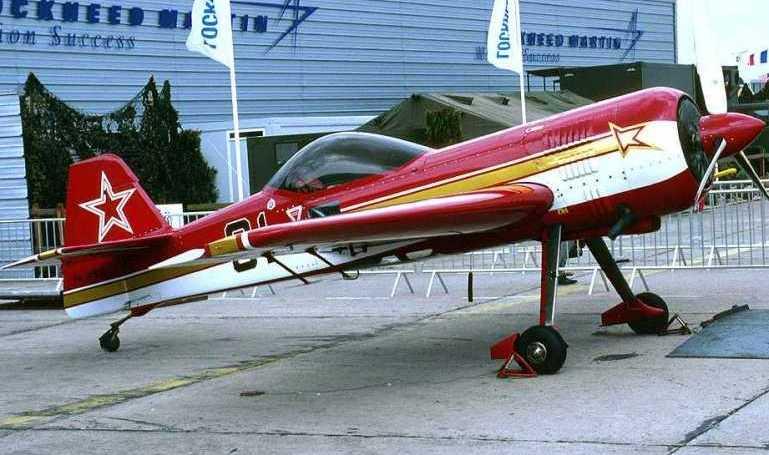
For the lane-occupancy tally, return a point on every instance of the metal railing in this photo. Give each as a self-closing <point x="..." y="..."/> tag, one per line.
<point x="732" y="231"/>
<point x="22" y="238"/>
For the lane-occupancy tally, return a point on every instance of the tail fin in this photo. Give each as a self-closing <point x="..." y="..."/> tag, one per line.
<point x="105" y="203"/>
<point x="113" y="229"/>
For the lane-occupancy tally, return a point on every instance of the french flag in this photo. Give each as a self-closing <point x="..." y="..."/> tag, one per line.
<point x="764" y="58"/>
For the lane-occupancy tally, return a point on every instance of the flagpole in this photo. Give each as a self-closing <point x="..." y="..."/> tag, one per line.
<point x="523" y="93"/>
<point x="230" y="186"/>
<point x="236" y="128"/>
<point x="523" y="101"/>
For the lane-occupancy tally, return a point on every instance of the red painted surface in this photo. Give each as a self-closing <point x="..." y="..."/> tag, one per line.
<point x="453" y="215"/>
<point x="82" y="228"/>
<point x="630" y="312"/>
<point x="504" y="349"/>
<point x="739" y="130"/>
<point x="524" y="217"/>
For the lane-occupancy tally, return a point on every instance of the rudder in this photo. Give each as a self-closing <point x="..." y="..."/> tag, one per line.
<point x="106" y="203"/>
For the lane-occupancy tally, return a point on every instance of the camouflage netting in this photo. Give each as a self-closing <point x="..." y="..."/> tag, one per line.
<point x="145" y="132"/>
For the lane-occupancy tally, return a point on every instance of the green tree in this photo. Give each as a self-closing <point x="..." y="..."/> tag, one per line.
<point x="146" y="133"/>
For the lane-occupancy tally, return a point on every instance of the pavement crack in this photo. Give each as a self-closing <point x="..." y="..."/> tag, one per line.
<point x="35" y="329"/>
<point x="404" y="436"/>
<point x="379" y="385"/>
<point x="159" y="426"/>
<point x="714" y="422"/>
<point x="364" y="436"/>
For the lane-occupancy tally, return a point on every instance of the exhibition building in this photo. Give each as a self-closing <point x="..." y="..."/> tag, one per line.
<point x="303" y="66"/>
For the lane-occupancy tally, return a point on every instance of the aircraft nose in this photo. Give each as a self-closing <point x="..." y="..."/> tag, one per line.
<point x="739" y="131"/>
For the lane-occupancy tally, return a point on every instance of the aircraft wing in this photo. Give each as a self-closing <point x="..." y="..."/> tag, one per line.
<point x="468" y="213"/>
<point x="55" y="256"/>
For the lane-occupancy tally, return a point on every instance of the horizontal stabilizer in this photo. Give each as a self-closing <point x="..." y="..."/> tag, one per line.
<point x="55" y="256"/>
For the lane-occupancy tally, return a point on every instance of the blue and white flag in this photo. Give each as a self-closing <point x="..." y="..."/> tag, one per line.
<point x="503" y="44"/>
<point x="211" y="32"/>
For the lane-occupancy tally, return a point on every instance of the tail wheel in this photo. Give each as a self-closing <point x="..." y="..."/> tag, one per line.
<point x="110" y="341"/>
<point x="543" y="348"/>
<point x="651" y="326"/>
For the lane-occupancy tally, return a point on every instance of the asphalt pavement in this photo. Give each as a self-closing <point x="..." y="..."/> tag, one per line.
<point x="339" y="367"/>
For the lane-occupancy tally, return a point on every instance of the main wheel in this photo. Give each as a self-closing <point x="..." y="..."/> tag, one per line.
<point x="651" y="326"/>
<point x="543" y="348"/>
<point x="109" y="342"/>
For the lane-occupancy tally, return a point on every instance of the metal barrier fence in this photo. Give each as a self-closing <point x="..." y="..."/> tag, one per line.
<point x="22" y="238"/>
<point x="731" y="231"/>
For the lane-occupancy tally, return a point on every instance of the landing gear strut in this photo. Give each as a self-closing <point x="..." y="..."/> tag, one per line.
<point x="110" y="341"/>
<point x="646" y="314"/>
<point x="540" y="349"/>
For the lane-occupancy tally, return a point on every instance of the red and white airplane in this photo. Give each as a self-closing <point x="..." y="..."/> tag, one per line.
<point x="353" y="200"/>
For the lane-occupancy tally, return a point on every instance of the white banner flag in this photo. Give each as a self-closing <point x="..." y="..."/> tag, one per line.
<point x="504" y="39"/>
<point x="211" y="32"/>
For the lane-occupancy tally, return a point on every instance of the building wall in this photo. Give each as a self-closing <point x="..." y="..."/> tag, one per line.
<point x="332" y="57"/>
<point x="13" y="185"/>
<point x="15" y="240"/>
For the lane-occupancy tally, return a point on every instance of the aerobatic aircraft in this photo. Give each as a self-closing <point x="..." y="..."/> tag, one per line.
<point x="351" y="200"/>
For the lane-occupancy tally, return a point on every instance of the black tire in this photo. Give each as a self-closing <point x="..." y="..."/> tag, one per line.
<point x="651" y="326"/>
<point x="543" y="348"/>
<point x="109" y="342"/>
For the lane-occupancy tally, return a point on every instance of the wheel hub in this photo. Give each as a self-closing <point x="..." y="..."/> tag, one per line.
<point x="536" y="352"/>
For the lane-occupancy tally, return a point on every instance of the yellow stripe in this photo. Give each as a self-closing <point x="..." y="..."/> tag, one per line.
<point x="29" y="419"/>
<point x="50" y="254"/>
<point x="227" y="245"/>
<point x="133" y="283"/>
<point x="508" y="173"/>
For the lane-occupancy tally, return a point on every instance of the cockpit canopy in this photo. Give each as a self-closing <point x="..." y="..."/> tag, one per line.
<point x="341" y="158"/>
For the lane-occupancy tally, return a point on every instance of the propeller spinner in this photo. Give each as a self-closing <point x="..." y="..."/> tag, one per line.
<point x="727" y="135"/>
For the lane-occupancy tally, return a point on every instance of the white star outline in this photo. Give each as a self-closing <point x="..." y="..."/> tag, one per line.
<point x="106" y="191"/>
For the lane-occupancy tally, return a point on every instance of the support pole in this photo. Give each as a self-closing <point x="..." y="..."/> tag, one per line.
<point x="551" y="251"/>
<point x="230" y="185"/>
<point x="236" y="128"/>
<point x="523" y="102"/>
<point x="521" y="75"/>
<point x="603" y="256"/>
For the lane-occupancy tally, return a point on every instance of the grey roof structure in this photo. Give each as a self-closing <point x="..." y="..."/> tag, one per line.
<point x="481" y="113"/>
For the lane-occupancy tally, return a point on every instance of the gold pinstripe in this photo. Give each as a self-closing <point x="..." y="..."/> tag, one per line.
<point x="477" y="180"/>
<point x="129" y="284"/>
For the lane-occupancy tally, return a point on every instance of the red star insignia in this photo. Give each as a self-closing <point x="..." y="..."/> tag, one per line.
<point x="110" y="208"/>
<point x="627" y="137"/>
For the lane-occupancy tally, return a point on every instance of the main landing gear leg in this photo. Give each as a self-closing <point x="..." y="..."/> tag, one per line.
<point x="645" y="313"/>
<point x="540" y="349"/>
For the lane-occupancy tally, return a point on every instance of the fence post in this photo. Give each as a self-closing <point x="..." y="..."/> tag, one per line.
<point x="470" y="287"/>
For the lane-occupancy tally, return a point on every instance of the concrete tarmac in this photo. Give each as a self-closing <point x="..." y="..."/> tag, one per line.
<point x="338" y="367"/>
